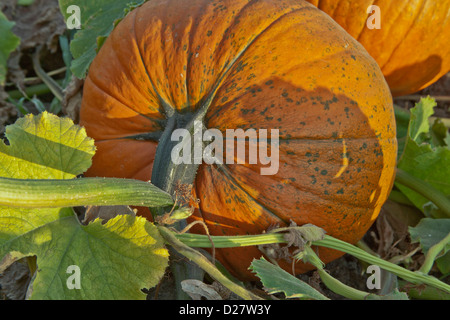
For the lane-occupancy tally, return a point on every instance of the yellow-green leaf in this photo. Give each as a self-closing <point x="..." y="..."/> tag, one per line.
<point x="45" y="147"/>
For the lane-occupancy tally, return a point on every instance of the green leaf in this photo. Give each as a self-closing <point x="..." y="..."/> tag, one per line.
<point x="98" y="19"/>
<point x="428" y="233"/>
<point x="425" y="156"/>
<point x="8" y="43"/>
<point x="420" y="114"/>
<point x="25" y="2"/>
<point x="115" y="260"/>
<point x="440" y="133"/>
<point x="402" y="118"/>
<point x="443" y="263"/>
<point x="45" y="147"/>
<point x="430" y="210"/>
<point x="277" y="280"/>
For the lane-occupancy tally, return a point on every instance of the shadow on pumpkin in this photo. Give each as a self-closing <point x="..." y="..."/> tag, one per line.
<point x="332" y="171"/>
<point x="414" y="77"/>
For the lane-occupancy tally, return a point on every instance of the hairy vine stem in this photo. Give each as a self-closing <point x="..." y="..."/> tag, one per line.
<point x="114" y="191"/>
<point x="201" y="241"/>
<point x="205" y="264"/>
<point x="48" y="193"/>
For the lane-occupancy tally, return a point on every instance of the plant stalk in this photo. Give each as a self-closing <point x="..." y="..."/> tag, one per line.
<point x="424" y="189"/>
<point x="116" y="191"/>
<point x="56" y="193"/>
<point x="205" y="264"/>
<point x="432" y="253"/>
<point x="194" y="240"/>
<point x="51" y="84"/>
<point x="342" y="289"/>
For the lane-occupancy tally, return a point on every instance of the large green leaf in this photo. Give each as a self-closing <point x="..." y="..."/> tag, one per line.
<point x="98" y="19"/>
<point x="115" y="260"/>
<point x="8" y="43"/>
<point x="426" y="154"/>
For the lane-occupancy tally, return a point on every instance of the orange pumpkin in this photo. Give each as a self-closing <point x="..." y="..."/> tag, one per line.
<point x="237" y="64"/>
<point x="412" y="44"/>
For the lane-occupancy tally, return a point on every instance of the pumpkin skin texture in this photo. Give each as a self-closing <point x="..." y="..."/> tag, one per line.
<point x="411" y="47"/>
<point x="256" y="64"/>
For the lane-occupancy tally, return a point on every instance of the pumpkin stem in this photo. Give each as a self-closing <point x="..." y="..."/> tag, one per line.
<point x="167" y="174"/>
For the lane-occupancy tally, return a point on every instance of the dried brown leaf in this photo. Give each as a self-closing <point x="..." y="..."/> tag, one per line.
<point x="73" y="95"/>
<point x="197" y="289"/>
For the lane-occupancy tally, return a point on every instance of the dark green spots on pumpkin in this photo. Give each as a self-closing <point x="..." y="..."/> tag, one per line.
<point x="302" y="100"/>
<point x="340" y="191"/>
<point x="238" y="199"/>
<point x="240" y="66"/>
<point x="314" y="180"/>
<point x="378" y="152"/>
<point x="268" y="83"/>
<point x="246" y="111"/>
<point x="292" y="153"/>
<point x="265" y="109"/>
<point x="324" y="172"/>
<point x="353" y="57"/>
<point x="234" y="85"/>
<point x="209" y="33"/>
<point x="254" y="91"/>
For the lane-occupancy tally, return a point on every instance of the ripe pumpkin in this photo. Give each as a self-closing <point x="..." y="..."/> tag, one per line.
<point x="240" y="64"/>
<point x="411" y="46"/>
